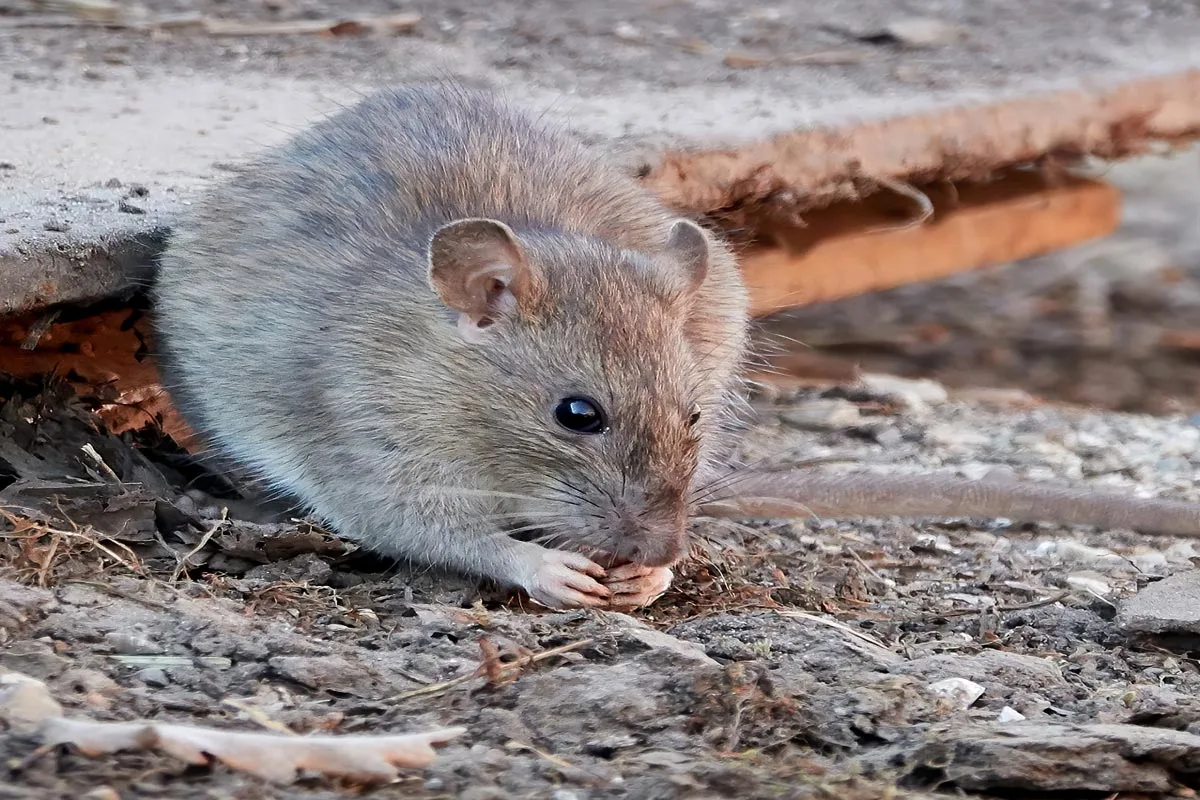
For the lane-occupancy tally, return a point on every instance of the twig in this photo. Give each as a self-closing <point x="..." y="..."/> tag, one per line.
<point x="136" y="598"/>
<point x="90" y="452"/>
<point x="1046" y="601"/>
<point x="832" y="623"/>
<point x="553" y="759"/>
<point x="81" y="535"/>
<point x="882" y="580"/>
<point x="258" y="716"/>
<point x="200" y="545"/>
<point x="481" y="671"/>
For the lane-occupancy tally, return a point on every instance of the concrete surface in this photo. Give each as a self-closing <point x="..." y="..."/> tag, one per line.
<point x="1171" y="605"/>
<point x="106" y="135"/>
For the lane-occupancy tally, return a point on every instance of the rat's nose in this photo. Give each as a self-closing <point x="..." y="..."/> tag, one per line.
<point x="658" y="547"/>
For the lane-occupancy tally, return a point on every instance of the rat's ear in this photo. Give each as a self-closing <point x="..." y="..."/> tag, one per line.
<point x="477" y="268"/>
<point x="688" y="244"/>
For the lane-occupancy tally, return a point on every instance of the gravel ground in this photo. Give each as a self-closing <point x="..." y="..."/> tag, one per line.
<point x="812" y="659"/>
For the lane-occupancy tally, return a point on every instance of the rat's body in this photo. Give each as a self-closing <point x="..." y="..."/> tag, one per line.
<point x="384" y="318"/>
<point x="437" y="322"/>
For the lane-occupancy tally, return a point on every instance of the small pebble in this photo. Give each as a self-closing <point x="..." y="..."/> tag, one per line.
<point x="113" y="183"/>
<point x="923" y="32"/>
<point x="963" y="692"/>
<point x="57" y="225"/>
<point x="1008" y="714"/>
<point x="101" y="793"/>
<point x="131" y="643"/>
<point x="153" y="676"/>
<point x="823" y="415"/>
<point x="627" y="32"/>
<point x="912" y="394"/>
<point x="127" y="207"/>
<point x="886" y="435"/>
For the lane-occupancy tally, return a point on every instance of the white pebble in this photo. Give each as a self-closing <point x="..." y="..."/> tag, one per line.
<point x="961" y="691"/>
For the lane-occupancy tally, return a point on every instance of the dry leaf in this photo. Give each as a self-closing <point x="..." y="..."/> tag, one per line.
<point x="26" y="704"/>
<point x="281" y="759"/>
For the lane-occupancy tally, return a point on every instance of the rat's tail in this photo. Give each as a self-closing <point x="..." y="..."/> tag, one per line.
<point x="799" y="494"/>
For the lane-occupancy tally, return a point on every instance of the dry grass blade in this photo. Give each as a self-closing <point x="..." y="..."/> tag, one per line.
<point x="490" y="668"/>
<point x="857" y="637"/>
<point x="200" y="545"/>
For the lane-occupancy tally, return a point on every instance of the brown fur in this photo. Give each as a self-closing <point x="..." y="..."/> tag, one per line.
<point x="302" y="335"/>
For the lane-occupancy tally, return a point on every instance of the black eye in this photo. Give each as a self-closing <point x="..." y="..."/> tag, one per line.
<point x="695" y="417"/>
<point x="580" y="415"/>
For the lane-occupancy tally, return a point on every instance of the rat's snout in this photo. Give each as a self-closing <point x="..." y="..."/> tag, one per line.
<point x="653" y="545"/>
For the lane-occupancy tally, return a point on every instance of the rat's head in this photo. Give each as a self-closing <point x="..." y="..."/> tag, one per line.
<point x="608" y="375"/>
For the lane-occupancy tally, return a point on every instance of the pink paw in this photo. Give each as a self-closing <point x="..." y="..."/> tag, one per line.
<point x="568" y="580"/>
<point x="634" y="585"/>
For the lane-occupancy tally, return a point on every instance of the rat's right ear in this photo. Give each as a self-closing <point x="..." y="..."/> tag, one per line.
<point x="689" y="244"/>
<point x="477" y="268"/>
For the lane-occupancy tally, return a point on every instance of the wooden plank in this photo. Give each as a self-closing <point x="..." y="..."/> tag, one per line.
<point x="879" y="244"/>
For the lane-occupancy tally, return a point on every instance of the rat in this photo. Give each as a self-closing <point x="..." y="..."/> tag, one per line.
<point x="438" y="321"/>
<point x="464" y="339"/>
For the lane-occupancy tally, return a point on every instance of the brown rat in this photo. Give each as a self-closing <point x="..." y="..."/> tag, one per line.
<point x="437" y="321"/>
<point x="440" y="323"/>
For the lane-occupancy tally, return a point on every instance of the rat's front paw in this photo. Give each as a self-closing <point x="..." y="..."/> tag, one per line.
<point x="568" y="580"/>
<point x="633" y="585"/>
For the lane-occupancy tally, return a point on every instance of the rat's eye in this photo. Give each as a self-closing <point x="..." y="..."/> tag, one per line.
<point x="695" y="417"/>
<point x="580" y="415"/>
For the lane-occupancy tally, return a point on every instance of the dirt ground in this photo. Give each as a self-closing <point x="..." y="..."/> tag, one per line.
<point x="789" y="660"/>
<point x="816" y="659"/>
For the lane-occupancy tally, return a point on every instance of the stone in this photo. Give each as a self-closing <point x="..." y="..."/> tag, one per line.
<point x="1171" y="605"/>
<point x="960" y="691"/>
<point x="823" y="415"/>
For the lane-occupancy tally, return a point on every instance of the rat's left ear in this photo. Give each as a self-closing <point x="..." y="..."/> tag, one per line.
<point x="477" y="268"/>
<point x="688" y="244"/>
